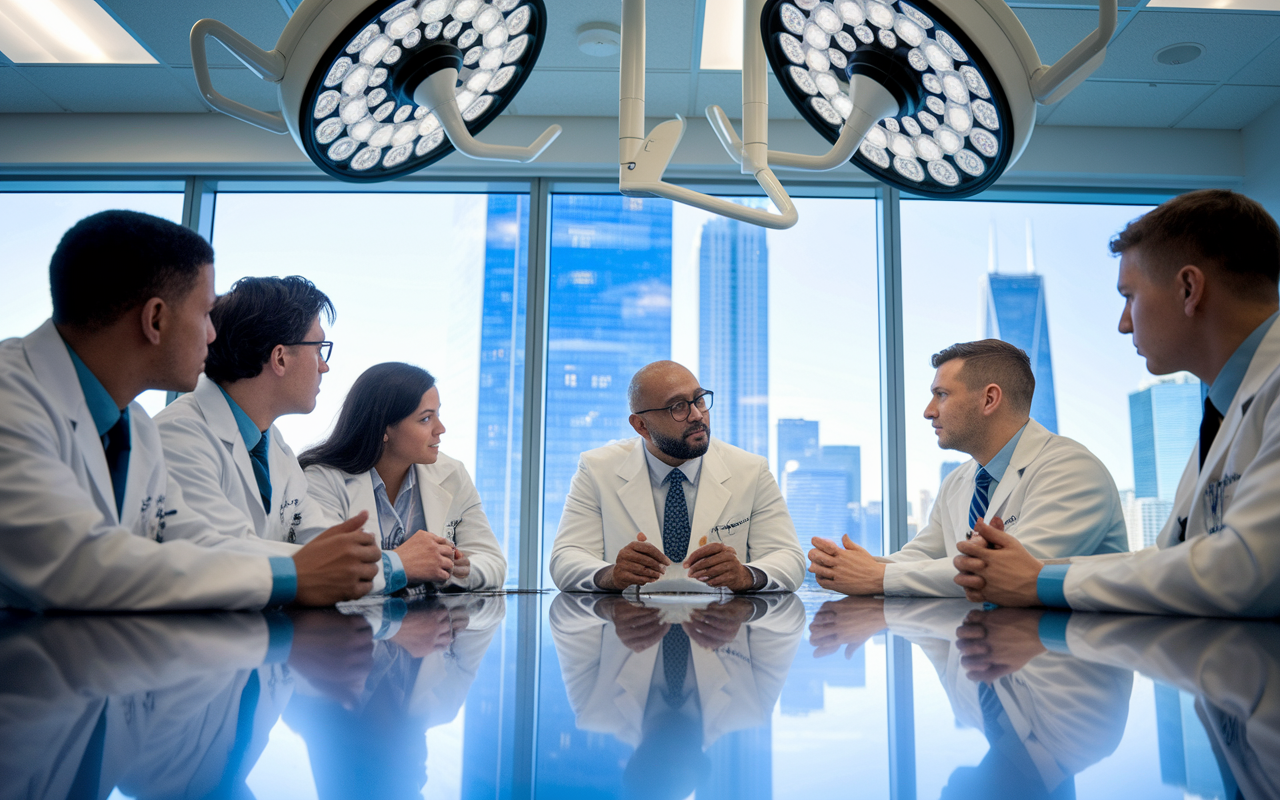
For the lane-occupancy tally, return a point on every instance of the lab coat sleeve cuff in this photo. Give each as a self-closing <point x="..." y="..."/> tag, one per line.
<point x="279" y="638"/>
<point x="1053" y="631"/>
<point x="284" y="581"/>
<point x="393" y="568"/>
<point x="1051" y="585"/>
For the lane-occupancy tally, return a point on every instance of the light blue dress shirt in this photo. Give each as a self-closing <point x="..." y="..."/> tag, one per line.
<point x="999" y="463"/>
<point x="404" y="515"/>
<point x="1051" y="582"/>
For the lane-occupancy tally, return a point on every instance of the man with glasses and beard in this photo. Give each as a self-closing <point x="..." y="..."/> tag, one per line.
<point x="672" y="500"/>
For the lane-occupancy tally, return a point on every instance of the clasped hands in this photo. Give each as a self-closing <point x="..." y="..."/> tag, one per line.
<point x="714" y="564"/>
<point x="429" y="558"/>
<point x="640" y="627"/>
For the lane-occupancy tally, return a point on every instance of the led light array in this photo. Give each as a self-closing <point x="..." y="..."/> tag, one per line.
<point x="953" y="140"/>
<point x="360" y="122"/>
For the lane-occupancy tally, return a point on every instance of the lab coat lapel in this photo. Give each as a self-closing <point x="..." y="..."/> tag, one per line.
<point x="360" y="491"/>
<point x="636" y="494"/>
<point x="712" y="679"/>
<point x="436" y="501"/>
<point x="634" y="680"/>
<point x="217" y="412"/>
<point x="47" y="354"/>
<point x="712" y="498"/>
<point x="1033" y="440"/>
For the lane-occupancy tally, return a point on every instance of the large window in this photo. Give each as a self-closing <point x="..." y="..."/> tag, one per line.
<point x="781" y="325"/>
<point x="436" y="280"/>
<point x="31" y="225"/>
<point x="1040" y="276"/>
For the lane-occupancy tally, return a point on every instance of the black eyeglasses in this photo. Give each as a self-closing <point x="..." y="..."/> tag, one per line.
<point x="326" y="348"/>
<point x="680" y="411"/>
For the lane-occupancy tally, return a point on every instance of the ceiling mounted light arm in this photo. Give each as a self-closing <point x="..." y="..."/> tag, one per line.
<point x="643" y="159"/>
<point x="1051" y="84"/>
<point x="269" y="66"/>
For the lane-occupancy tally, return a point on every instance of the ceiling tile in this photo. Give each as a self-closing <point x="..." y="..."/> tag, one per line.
<point x="20" y="96"/>
<point x="1263" y="70"/>
<point x="1231" y="40"/>
<point x="588" y="93"/>
<point x="165" y="25"/>
<point x="1137" y="105"/>
<point x="1055" y="31"/>
<point x="114" y="89"/>
<point x="1232" y="107"/>
<point x="239" y="84"/>
<point x="668" y="41"/>
<point x="725" y="90"/>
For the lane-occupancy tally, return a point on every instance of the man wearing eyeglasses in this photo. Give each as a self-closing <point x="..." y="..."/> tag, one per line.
<point x="220" y="441"/>
<point x="674" y="499"/>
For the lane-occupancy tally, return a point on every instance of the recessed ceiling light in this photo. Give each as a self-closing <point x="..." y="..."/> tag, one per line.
<point x="599" y="39"/>
<point x="1181" y="53"/>
<point x="722" y="35"/>
<point x="1219" y="5"/>
<point x="65" y="32"/>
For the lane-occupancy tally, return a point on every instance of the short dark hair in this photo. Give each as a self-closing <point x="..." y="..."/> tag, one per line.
<point x="383" y="395"/>
<point x="114" y="261"/>
<point x="991" y="361"/>
<point x="1214" y="229"/>
<point x="255" y="316"/>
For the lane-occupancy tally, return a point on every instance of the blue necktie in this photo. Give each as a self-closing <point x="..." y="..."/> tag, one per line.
<point x="115" y="445"/>
<point x="261" y="471"/>
<point x="675" y="522"/>
<point x="675" y="663"/>
<point x="981" y="496"/>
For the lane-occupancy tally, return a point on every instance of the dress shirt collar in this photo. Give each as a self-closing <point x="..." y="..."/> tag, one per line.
<point x="658" y="470"/>
<point x="101" y="407"/>
<point x="997" y="466"/>
<point x="410" y="481"/>
<point x="248" y="431"/>
<point x="1229" y="379"/>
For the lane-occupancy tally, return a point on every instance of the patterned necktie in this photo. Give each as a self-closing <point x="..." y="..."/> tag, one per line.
<point x="115" y="445"/>
<point x="261" y="471"/>
<point x="675" y="663"/>
<point x="981" y="496"/>
<point x="675" y="522"/>
<point x="1209" y="426"/>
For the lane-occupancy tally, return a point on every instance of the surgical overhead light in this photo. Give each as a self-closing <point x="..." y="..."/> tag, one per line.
<point x="372" y="92"/>
<point x="935" y="97"/>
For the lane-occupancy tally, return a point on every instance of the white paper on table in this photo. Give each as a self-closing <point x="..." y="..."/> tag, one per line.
<point x="676" y="580"/>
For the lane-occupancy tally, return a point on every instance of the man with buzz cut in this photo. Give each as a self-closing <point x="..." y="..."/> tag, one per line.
<point x="674" y="496"/>
<point x="91" y="519"/>
<point x="1199" y="278"/>
<point x="221" y="443"/>
<point x="1054" y="495"/>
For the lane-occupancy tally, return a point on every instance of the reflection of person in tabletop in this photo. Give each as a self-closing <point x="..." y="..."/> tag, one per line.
<point x="1047" y="716"/>
<point x="424" y="663"/>
<point x="1232" y="668"/>
<point x="670" y="678"/>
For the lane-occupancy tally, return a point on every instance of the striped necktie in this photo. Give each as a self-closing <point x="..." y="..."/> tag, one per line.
<point x="981" y="496"/>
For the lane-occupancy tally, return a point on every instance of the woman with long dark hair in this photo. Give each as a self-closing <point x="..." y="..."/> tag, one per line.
<point x="384" y="457"/>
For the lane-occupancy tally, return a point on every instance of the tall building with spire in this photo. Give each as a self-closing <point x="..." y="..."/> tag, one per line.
<point x="734" y="330"/>
<point x="1014" y="310"/>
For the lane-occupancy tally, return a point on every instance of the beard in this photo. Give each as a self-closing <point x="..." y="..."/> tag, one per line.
<point x="679" y="447"/>
<point x="964" y="432"/>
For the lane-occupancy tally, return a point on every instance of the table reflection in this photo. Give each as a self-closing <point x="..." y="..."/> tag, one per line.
<point x="576" y="696"/>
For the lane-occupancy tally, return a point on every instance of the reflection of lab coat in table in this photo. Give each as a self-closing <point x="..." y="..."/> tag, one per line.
<point x="738" y="683"/>
<point x="1232" y="667"/>
<point x="152" y="675"/>
<point x="1068" y="713"/>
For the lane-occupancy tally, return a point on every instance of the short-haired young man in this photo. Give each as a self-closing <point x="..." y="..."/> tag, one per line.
<point x="221" y="443"/>
<point x="1199" y="277"/>
<point x="90" y="517"/>
<point x="1057" y="498"/>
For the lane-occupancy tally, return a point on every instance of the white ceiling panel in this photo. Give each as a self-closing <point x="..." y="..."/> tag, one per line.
<point x="164" y="26"/>
<point x="1054" y="31"/>
<point x="21" y="97"/>
<point x="1231" y="40"/>
<point x="238" y="84"/>
<point x="668" y="40"/>
<point x="581" y="93"/>
<point x="1263" y="70"/>
<point x="1231" y="107"/>
<point x="1137" y="105"/>
<point x="118" y="89"/>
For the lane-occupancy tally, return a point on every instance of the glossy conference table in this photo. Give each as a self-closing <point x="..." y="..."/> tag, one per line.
<point x="572" y="696"/>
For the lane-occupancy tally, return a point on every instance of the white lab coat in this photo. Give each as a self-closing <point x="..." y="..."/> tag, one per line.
<point x="738" y="683"/>
<point x="62" y="544"/>
<point x="207" y="456"/>
<point x="1068" y="713"/>
<point x="1229" y="564"/>
<point x="450" y="504"/>
<point x="611" y="499"/>
<point x="1056" y="497"/>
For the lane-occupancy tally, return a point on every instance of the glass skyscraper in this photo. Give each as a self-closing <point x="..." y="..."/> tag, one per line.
<point x="822" y="485"/>
<point x="1164" y="420"/>
<point x="1014" y="311"/>
<point x="734" y="330"/>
